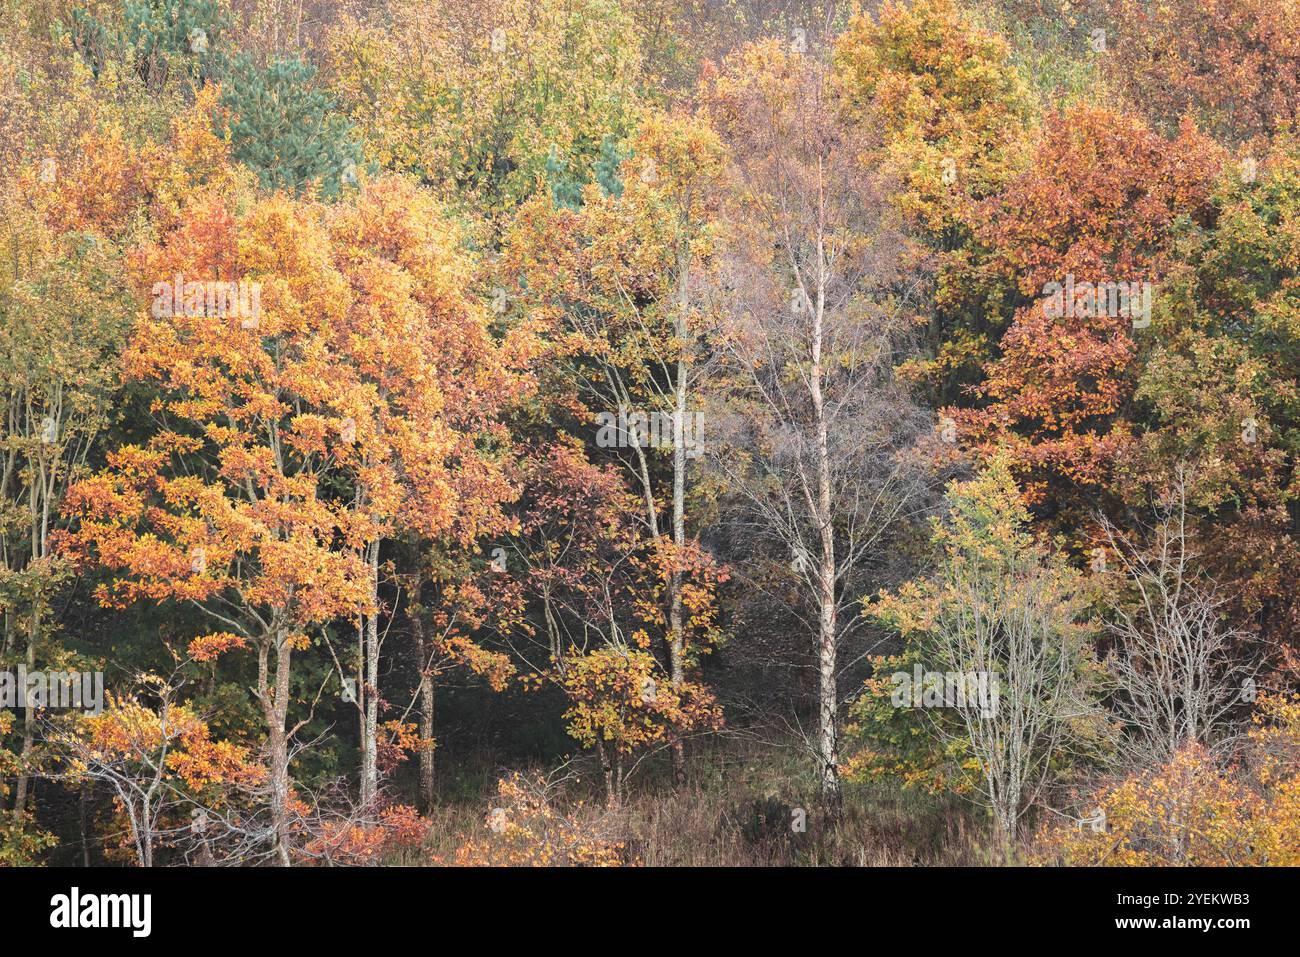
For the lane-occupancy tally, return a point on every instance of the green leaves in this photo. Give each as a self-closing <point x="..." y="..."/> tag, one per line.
<point x="287" y="130"/>
<point x="160" y="39"/>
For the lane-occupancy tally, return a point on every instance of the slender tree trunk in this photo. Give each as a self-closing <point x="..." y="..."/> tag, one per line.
<point x="29" y="729"/>
<point x="370" y="741"/>
<point x="1005" y="834"/>
<point x="279" y="752"/>
<point x="677" y="636"/>
<point x="360" y="696"/>
<point x="137" y="829"/>
<point x="38" y="508"/>
<point x="275" y="709"/>
<point x="828" y="700"/>
<point x="146" y="844"/>
<point x="607" y="769"/>
<point x="425" y="665"/>
<point x="827" y="697"/>
<point x="426" y="750"/>
<point x="83" y="822"/>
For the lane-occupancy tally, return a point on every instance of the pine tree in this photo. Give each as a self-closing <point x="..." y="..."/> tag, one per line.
<point x="160" y="39"/>
<point x="286" y="130"/>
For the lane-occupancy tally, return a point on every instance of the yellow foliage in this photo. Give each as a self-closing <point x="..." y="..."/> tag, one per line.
<point x="526" y="830"/>
<point x="1193" y="812"/>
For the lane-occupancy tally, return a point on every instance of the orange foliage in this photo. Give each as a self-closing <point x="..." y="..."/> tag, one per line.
<point x="1099" y="203"/>
<point x="130" y="733"/>
<point x="526" y="830"/>
<point x="617" y="699"/>
<point x="399" y="827"/>
<point x="1194" y="812"/>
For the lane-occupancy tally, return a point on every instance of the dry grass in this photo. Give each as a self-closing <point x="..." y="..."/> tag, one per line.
<point x="742" y="808"/>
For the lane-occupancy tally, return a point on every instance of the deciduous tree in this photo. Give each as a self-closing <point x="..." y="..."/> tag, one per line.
<point x="811" y="421"/>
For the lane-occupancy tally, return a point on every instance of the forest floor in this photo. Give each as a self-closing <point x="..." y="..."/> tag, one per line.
<point x="741" y="806"/>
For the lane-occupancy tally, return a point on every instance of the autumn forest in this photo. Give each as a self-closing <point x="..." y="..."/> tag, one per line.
<point x="649" y="433"/>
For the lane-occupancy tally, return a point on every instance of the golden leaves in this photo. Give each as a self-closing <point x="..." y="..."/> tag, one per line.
<point x="208" y="647"/>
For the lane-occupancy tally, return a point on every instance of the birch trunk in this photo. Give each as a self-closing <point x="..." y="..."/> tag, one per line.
<point x="370" y="726"/>
<point x="677" y="637"/>
<point x="828" y="701"/>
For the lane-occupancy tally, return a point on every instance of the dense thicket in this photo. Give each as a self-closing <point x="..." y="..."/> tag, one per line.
<point x="605" y="431"/>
